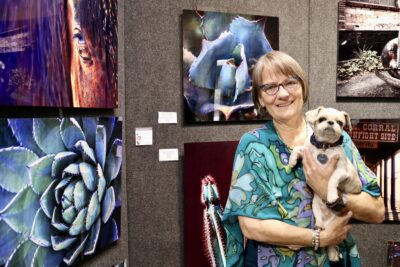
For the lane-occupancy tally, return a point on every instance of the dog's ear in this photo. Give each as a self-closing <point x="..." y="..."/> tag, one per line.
<point x="347" y="119"/>
<point x="311" y="115"/>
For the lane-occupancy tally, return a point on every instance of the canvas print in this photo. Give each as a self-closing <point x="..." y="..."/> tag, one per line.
<point x="60" y="189"/>
<point x="378" y="143"/>
<point x="58" y="53"/>
<point x="218" y="49"/>
<point x="368" y="57"/>
<point x="206" y="188"/>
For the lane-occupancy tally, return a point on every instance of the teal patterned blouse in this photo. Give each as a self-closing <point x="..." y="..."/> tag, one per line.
<point x="264" y="186"/>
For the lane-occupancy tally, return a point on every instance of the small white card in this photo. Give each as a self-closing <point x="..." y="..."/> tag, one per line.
<point x="170" y="154"/>
<point x="167" y="117"/>
<point x="144" y="136"/>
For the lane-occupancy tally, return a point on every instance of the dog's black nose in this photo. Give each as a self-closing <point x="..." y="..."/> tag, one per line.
<point x="330" y="122"/>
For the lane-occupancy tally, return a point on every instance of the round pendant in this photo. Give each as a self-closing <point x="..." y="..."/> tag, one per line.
<point x="322" y="158"/>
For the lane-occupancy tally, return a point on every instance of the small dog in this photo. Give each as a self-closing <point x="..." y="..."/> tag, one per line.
<point x="328" y="124"/>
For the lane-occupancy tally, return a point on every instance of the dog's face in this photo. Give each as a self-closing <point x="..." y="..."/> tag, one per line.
<point x="328" y="123"/>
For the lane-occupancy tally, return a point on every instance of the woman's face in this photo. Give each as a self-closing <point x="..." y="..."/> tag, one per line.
<point x="285" y="105"/>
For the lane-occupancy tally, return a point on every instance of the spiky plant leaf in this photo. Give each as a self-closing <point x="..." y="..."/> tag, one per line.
<point x="57" y="221"/>
<point x="108" y="205"/>
<point x="78" y="226"/>
<point x="73" y="254"/>
<point x="23" y="255"/>
<point x="108" y="233"/>
<point x="113" y="162"/>
<point x="72" y="169"/>
<point x="40" y="173"/>
<point x="46" y="133"/>
<point x="81" y="195"/>
<point x="86" y="152"/>
<point x="14" y="177"/>
<point x="101" y="145"/>
<point x="5" y="197"/>
<point x="101" y="187"/>
<point x="61" y="161"/>
<point x="7" y="138"/>
<point x="89" y="175"/>
<point x="89" y="125"/>
<point x="93" y="211"/>
<point x="109" y="124"/>
<point x="8" y="242"/>
<point x="41" y="230"/>
<point x="21" y="210"/>
<point x="61" y="242"/>
<point x="69" y="214"/>
<point x="47" y="257"/>
<point x="22" y="130"/>
<point x="71" y="132"/>
<point x="93" y="238"/>
<point x="47" y="200"/>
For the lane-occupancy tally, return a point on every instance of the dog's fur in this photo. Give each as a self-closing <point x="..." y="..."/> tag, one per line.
<point x="327" y="124"/>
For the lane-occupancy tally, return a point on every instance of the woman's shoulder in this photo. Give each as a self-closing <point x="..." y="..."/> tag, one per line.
<point x="259" y="133"/>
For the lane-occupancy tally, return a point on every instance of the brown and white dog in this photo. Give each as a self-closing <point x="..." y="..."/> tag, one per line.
<point x="328" y="124"/>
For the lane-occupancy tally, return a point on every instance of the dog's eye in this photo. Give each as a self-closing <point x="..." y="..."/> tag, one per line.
<point x="340" y="123"/>
<point x="321" y="119"/>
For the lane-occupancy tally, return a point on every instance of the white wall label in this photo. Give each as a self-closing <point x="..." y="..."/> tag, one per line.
<point x="170" y="154"/>
<point x="144" y="136"/>
<point x="167" y="117"/>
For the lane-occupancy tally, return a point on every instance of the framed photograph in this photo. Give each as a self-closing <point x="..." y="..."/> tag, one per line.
<point x="379" y="146"/>
<point x="218" y="49"/>
<point x="206" y="188"/>
<point x="60" y="189"/>
<point x="58" y="53"/>
<point x="368" y="63"/>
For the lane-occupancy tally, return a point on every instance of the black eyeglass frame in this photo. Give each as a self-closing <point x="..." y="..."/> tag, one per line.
<point x="267" y="86"/>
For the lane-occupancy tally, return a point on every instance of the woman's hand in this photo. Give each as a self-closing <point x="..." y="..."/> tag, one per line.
<point x="317" y="175"/>
<point x="337" y="231"/>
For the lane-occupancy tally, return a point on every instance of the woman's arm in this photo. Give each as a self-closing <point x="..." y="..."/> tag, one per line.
<point x="283" y="234"/>
<point x="363" y="206"/>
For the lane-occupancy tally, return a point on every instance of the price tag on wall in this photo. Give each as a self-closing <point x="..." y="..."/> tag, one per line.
<point x="144" y="136"/>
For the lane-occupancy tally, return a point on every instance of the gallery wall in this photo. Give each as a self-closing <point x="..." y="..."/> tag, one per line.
<point x="308" y="31"/>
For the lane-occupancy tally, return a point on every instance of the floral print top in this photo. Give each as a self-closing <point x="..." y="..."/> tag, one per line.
<point x="264" y="186"/>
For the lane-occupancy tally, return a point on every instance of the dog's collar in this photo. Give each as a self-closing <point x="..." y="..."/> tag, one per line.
<point x="324" y="145"/>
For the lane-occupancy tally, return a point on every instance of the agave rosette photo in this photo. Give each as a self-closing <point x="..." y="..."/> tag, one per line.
<point x="59" y="189"/>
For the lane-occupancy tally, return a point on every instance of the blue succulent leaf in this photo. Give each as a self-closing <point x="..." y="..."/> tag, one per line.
<point x="86" y="151"/>
<point x="7" y="138"/>
<point x="203" y="72"/>
<point x="89" y="175"/>
<point x="108" y="205"/>
<point x="9" y="241"/>
<point x="101" y="187"/>
<point x="78" y="226"/>
<point x="251" y="35"/>
<point x="13" y="163"/>
<point x="215" y="23"/>
<point x="41" y="230"/>
<point x="117" y="191"/>
<point x="40" y="173"/>
<point x="69" y="214"/>
<point x="89" y="125"/>
<point x="226" y="82"/>
<point x="71" y="132"/>
<point x="93" y="238"/>
<point x="93" y="211"/>
<point x="61" y="161"/>
<point x="242" y="78"/>
<point x="23" y="255"/>
<point x="5" y="198"/>
<point x="101" y="145"/>
<point x="23" y="132"/>
<point x="73" y="253"/>
<point x="81" y="195"/>
<point x="47" y="257"/>
<point x="57" y="221"/>
<point x="71" y="170"/>
<point x="108" y="233"/>
<point x="46" y="132"/>
<point x="113" y="161"/>
<point x="67" y="197"/>
<point x="109" y="123"/>
<point x="62" y="242"/>
<point x="47" y="200"/>
<point x="20" y="212"/>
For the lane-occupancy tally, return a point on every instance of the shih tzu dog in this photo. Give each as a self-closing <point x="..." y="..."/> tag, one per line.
<point x="328" y="124"/>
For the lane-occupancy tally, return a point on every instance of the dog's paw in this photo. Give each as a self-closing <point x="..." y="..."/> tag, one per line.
<point x="334" y="254"/>
<point x="332" y="197"/>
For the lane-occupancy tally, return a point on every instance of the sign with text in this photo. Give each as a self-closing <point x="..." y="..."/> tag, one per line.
<point x="375" y="131"/>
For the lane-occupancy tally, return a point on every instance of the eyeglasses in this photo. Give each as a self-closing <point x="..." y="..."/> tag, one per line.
<point x="289" y="84"/>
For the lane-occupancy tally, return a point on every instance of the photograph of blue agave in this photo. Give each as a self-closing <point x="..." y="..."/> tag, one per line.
<point x="218" y="51"/>
<point x="59" y="189"/>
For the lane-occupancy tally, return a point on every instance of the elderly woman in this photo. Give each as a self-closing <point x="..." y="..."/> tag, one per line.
<point x="268" y="214"/>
